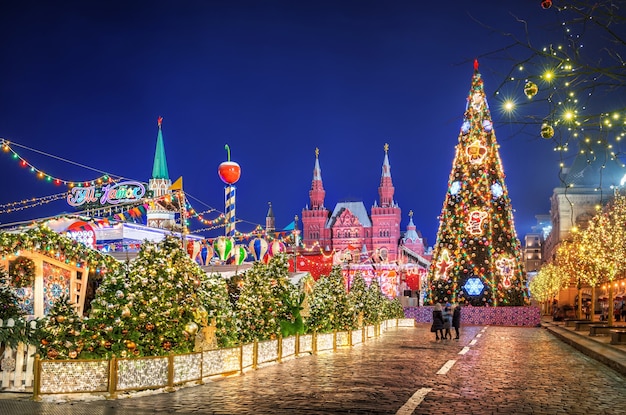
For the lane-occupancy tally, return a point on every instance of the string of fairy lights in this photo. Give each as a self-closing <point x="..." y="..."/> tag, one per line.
<point x="569" y="80"/>
<point x="569" y="91"/>
<point x="7" y="147"/>
<point x="29" y="203"/>
<point x="125" y="211"/>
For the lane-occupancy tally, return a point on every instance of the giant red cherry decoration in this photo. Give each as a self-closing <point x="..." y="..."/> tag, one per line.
<point x="229" y="171"/>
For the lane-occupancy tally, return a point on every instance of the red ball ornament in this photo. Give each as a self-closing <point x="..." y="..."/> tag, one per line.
<point x="546" y="4"/>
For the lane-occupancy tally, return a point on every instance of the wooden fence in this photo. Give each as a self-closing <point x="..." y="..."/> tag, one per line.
<point x="118" y="375"/>
<point x="16" y="364"/>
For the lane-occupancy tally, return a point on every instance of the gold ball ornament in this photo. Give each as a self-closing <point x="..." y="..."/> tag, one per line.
<point x="547" y="131"/>
<point x="191" y="328"/>
<point x="530" y="89"/>
<point x="131" y="345"/>
<point x="125" y="312"/>
<point x="60" y="319"/>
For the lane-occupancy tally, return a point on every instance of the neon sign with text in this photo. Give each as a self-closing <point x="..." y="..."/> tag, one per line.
<point x="111" y="194"/>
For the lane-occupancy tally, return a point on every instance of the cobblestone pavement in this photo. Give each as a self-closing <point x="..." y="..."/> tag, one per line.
<point x="490" y="370"/>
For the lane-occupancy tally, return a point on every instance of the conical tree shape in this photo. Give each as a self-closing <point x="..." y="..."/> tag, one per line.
<point x="358" y="298"/>
<point x="261" y="303"/>
<point x="330" y="305"/>
<point x="61" y="331"/>
<point x="477" y="257"/>
<point x="147" y="311"/>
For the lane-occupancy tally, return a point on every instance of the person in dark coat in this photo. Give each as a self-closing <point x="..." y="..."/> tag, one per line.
<point x="456" y="319"/>
<point x="447" y="321"/>
<point x="437" y="326"/>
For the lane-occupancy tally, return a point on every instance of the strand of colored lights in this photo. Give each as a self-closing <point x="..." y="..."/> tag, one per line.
<point x="6" y="147"/>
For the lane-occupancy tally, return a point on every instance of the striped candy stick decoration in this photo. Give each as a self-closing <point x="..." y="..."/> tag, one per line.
<point x="229" y="201"/>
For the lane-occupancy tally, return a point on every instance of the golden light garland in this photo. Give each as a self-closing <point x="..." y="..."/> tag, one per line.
<point x="29" y="203"/>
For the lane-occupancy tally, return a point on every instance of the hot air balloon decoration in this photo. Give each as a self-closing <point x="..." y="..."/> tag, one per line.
<point x="193" y="249"/>
<point x="224" y="247"/>
<point x="240" y="254"/>
<point x="257" y="248"/>
<point x="275" y="248"/>
<point x="206" y="253"/>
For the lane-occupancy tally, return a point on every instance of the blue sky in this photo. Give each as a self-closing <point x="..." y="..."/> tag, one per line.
<point x="86" y="81"/>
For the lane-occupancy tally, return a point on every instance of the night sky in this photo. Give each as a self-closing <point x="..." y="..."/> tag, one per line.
<point x="85" y="81"/>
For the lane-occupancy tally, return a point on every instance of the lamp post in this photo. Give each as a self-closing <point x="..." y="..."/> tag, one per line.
<point x="348" y="260"/>
<point x="296" y="242"/>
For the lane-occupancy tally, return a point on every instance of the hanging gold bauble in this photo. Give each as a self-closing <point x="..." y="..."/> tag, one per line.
<point x="547" y="131"/>
<point x="530" y="89"/>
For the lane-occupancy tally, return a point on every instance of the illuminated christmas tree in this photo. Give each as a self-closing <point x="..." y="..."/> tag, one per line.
<point x="150" y="311"/>
<point x="477" y="257"/>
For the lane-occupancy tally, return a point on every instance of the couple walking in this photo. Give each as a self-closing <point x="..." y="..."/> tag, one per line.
<point x="444" y="319"/>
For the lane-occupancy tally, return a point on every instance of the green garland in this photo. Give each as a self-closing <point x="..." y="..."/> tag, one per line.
<point x="22" y="272"/>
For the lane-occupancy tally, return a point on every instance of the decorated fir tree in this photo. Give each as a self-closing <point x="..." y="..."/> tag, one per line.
<point x="261" y="304"/>
<point x="61" y="332"/>
<point x="375" y="303"/>
<point x="151" y="311"/>
<point x="358" y="298"/>
<point x="477" y="256"/>
<point x="110" y="325"/>
<point x="393" y="309"/>
<point x="329" y="306"/>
